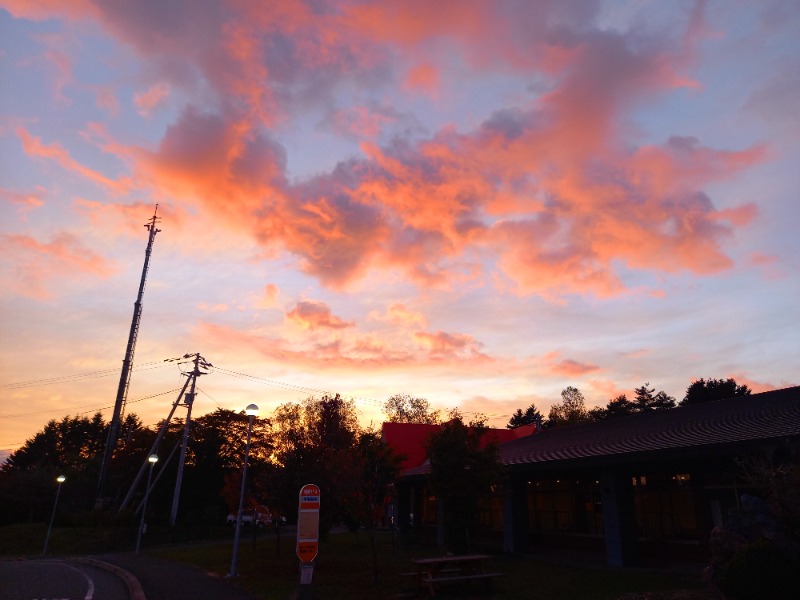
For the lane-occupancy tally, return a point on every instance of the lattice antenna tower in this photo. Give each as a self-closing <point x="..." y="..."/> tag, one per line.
<point x="127" y="364"/>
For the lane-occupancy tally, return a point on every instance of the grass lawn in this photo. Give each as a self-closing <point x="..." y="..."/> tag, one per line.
<point x="345" y="568"/>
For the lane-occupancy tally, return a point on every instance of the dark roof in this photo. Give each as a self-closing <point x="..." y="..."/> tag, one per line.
<point x="725" y="423"/>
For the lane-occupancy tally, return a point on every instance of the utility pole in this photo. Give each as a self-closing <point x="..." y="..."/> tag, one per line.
<point x="154" y="448"/>
<point x="199" y="363"/>
<point x="127" y="363"/>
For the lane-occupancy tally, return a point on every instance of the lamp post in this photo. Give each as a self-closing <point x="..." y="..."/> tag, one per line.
<point x="152" y="459"/>
<point x="60" y="479"/>
<point x="251" y="411"/>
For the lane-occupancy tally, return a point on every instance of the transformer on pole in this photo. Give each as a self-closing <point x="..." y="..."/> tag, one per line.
<point x="127" y="363"/>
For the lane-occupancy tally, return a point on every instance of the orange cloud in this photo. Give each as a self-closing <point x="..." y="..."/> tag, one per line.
<point x="310" y="314"/>
<point x="270" y="296"/>
<point x="553" y="193"/>
<point x="401" y="314"/>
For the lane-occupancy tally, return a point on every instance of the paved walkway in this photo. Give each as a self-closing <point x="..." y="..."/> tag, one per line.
<point x="167" y="580"/>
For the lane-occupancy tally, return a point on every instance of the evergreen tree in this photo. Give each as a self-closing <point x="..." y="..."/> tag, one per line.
<point x="710" y="390"/>
<point x="531" y="416"/>
<point x="647" y="401"/>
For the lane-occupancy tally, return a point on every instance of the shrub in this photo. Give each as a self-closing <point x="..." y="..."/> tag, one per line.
<point x="761" y="570"/>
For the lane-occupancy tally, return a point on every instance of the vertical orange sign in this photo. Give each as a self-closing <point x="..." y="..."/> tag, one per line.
<point x="308" y="523"/>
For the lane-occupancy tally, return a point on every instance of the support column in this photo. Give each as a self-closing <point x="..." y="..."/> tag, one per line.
<point x="516" y="533"/>
<point x="619" y="519"/>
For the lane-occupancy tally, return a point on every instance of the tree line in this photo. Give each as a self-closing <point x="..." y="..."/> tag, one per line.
<point x="572" y="408"/>
<point x="317" y="440"/>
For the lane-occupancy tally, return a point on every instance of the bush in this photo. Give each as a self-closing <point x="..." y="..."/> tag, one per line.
<point x="761" y="570"/>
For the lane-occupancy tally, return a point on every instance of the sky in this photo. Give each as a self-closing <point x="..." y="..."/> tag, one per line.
<point x="478" y="203"/>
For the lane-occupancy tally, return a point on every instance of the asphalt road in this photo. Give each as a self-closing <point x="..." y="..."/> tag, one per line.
<point x="167" y="580"/>
<point x="55" y="579"/>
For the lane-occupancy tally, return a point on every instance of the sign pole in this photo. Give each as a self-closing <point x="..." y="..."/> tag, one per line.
<point x="307" y="534"/>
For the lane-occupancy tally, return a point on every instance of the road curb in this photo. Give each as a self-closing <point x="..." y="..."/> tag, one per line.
<point x="134" y="587"/>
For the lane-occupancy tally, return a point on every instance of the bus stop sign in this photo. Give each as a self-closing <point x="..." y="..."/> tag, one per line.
<point x="308" y="523"/>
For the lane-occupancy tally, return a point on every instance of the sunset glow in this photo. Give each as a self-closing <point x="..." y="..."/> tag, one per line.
<point x="478" y="203"/>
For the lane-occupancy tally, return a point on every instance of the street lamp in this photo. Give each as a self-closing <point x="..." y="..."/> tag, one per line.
<point x="152" y="459"/>
<point x="251" y="411"/>
<point x="60" y="479"/>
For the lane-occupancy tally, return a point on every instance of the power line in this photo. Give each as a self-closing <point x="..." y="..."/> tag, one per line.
<point x="290" y="386"/>
<point x="77" y="377"/>
<point x="84" y="412"/>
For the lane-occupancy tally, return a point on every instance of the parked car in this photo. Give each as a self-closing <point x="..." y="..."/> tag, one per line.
<point x="251" y="517"/>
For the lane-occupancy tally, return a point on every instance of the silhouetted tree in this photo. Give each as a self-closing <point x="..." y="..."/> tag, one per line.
<point x="463" y="469"/>
<point x="646" y="400"/>
<point x="570" y="411"/>
<point x="531" y="416"/>
<point x="403" y="408"/>
<point x="73" y="447"/>
<point x="214" y="461"/>
<point x="709" y="390"/>
<point x="316" y="442"/>
<point x="616" y="407"/>
<point x="379" y="469"/>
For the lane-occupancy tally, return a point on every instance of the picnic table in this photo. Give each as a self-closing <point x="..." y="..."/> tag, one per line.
<point x="451" y="569"/>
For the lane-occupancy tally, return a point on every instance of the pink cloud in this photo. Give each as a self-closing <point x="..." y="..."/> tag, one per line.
<point x="148" y="101"/>
<point x="25" y="202"/>
<point x="34" y="147"/>
<point x="269" y="297"/>
<point x="365" y="351"/>
<point x="310" y="314"/>
<point x="106" y="99"/>
<point x="449" y="346"/>
<point x="756" y="386"/>
<point x="213" y="308"/>
<point x="37" y="265"/>
<point x="62" y="63"/>
<point x="568" y="367"/>
<point x="423" y="78"/>
<point x="401" y="314"/>
<point x="606" y="390"/>
<point x="361" y="121"/>
<point x="553" y="193"/>
<point x="739" y="215"/>
<point x="46" y="9"/>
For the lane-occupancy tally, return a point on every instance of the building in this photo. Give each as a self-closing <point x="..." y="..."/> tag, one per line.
<point x="665" y="476"/>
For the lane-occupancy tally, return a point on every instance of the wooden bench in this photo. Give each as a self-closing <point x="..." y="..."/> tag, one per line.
<point x="453" y="578"/>
<point x="451" y="569"/>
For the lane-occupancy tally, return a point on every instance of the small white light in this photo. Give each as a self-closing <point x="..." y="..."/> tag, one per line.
<point x="153" y="458"/>
<point x="251" y="410"/>
<point x="61" y="479"/>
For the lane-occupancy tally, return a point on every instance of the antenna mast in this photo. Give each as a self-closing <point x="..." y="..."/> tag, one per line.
<point x="127" y="363"/>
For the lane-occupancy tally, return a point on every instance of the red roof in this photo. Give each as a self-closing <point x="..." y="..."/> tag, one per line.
<point x="410" y="439"/>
